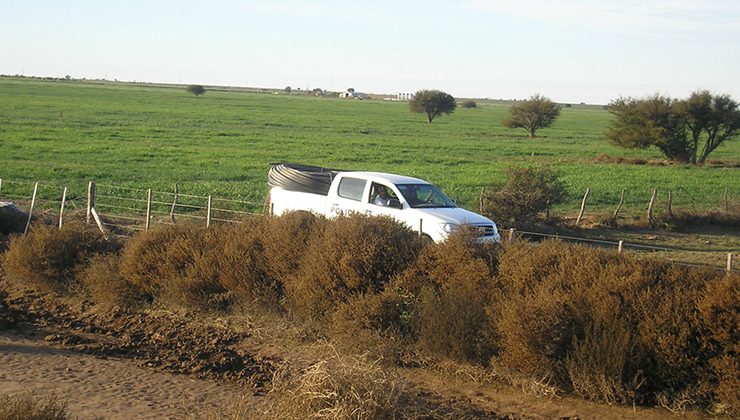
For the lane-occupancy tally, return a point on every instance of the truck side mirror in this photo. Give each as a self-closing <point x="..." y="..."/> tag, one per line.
<point x="395" y="203"/>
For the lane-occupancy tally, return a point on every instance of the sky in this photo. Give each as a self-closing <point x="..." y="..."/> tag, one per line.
<point x="571" y="51"/>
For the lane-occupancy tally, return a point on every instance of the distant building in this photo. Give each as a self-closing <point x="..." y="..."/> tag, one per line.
<point x="350" y="93"/>
<point x="404" y="96"/>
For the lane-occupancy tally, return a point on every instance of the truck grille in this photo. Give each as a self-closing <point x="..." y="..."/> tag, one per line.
<point x="484" y="229"/>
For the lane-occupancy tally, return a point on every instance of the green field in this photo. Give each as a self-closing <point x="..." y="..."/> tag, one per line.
<point x="66" y="133"/>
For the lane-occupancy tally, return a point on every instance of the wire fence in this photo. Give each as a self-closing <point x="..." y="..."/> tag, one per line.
<point x="123" y="211"/>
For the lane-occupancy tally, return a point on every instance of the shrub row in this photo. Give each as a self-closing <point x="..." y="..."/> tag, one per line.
<point x="594" y="323"/>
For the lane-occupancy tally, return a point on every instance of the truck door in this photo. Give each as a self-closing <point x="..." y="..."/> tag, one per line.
<point x="383" y="201"/>
<point x="349" y="196"/>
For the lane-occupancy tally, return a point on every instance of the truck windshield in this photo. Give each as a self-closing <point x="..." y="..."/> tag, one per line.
<point x="424" y="195"/>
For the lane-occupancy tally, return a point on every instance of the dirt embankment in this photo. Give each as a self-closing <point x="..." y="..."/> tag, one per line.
<point x="151" y="339"/>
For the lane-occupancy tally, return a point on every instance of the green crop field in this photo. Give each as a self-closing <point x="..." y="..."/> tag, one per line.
<point x="66" y="133"/>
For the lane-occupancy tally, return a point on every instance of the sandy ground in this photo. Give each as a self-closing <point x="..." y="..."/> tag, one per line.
<point x="107" y="388"/>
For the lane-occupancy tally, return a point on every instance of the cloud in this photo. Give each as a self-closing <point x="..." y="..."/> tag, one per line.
<point x="655" y="17"/>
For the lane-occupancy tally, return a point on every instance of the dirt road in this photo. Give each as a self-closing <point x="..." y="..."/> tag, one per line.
<point x="107" y="388"/>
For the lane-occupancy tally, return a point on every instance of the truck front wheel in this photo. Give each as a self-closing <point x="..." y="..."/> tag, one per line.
<point x="426" y="239"/>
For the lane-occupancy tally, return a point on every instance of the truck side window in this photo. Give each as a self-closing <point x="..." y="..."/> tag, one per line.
<point x="351" y="188"/>
<point x="381" y="195"/>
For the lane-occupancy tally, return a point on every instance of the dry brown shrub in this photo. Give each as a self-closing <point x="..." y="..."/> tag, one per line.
<point x="671" y="330"/>
<point x="28" y="406"/>
<point x="613" y="328"/>
<point x="102" y="279"/>
<point x="12" y="219"/>
<point x="449" y="286"/>
<point x="47" y="259"/>
<point x="686" y="220"/>
<point x="604" y="364"/>
<point x="206" y="268"/>
<point x="556" y="305"/>
<point x="339" y="387"/>
<point x="356" y="254"/>
<point x="719" y="309"/>
<point x="376" y="322"/>
<point x="234" y="258"/>
<point x="161" y="263"/>
<point x="605" y="158"/>
<point x="152" y="259"/>
<point x="286" y="240"/>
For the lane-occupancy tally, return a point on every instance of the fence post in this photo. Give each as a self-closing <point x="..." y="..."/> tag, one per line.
<point x="1" y="185"/>
<point x="61" y="209"/>
<point x="650" y="207"/>
<point x="619" y="206"/>
<point x="90" y="201"/>
<point x="98" y="222"/>
<point x="512" y="234"/>
<point x="670" y="202"/>
<point x="174" y="204"/>
<point x="583" y="206"/>
<point x="208" y="212"/>
<point x="30" y="211"/>
<point x="620" y="247"/>
<point x="148" y="209"/>
<point x="421" y="226"/>
<point x="729" y="262"/>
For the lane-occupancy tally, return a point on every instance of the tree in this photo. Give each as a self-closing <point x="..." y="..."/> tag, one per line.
<point x="432" y="102"/>
<point x="196" y="90"/>
<point x="677" y="127"/>
<point x="715" y="118"/>
<point x="652" y="121"/>
<point x="532" y="114"/>
<point x="288" y="89"/>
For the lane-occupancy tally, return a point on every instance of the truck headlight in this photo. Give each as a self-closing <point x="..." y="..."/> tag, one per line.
<point x="449" y="227"/>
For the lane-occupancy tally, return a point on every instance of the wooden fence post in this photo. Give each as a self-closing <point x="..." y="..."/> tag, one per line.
<point x="30" y="210"/>
<point x="670" y="202"/>
<point x="619" y="206"/>
<point x="90" y="201"/>
<point x="208" y="212"/>
<point x="650" y="207"/>
<point x="512" y="234"/>
<point x="583" y="206"/>
<point x="174" y="204"/>
<point x="1" y="185"/>
<point x="421" y="228"/>
<point x="61" y="209"/>
<point x="148" y="209"/>
<point x="729" y="262"/>
<point x="98" y="222"/>
<point x="620" y="247"/>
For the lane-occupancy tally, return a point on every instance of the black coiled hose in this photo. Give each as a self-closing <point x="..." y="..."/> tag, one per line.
<point x="302" y="178"/>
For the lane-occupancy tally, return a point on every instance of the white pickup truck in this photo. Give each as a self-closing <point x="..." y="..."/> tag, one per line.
<point x="412" y="201"/>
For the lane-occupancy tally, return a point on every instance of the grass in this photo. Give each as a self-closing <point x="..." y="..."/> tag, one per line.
<point x="29" y="406"/>
<point x="66" y="133"/>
